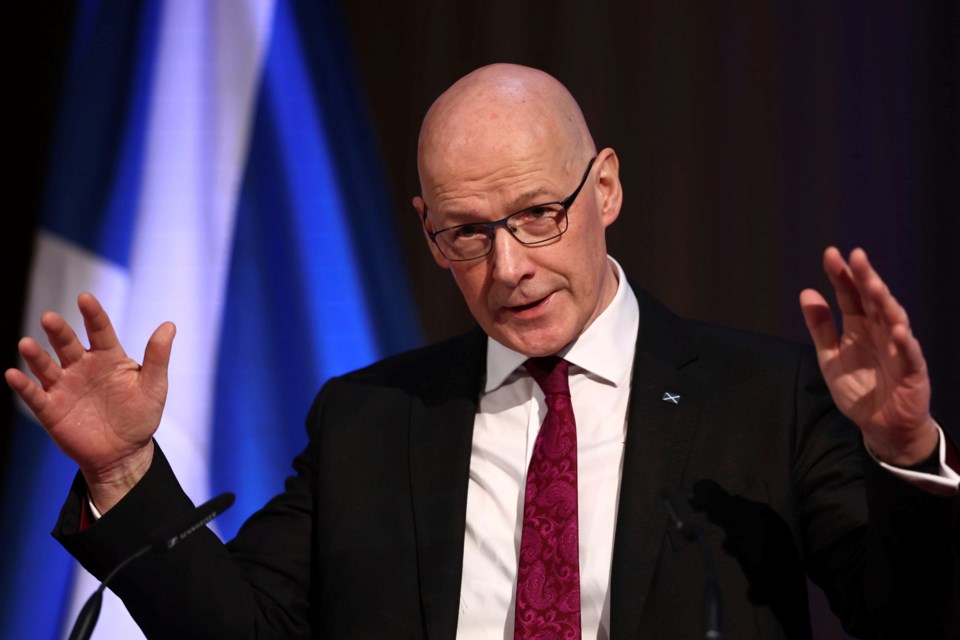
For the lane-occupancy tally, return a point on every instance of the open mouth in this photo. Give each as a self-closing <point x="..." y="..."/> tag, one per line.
<point x="526" y="307"/>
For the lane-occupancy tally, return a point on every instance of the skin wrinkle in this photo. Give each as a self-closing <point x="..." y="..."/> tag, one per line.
<point x="503" y="138"/>
<point x="454" y="190"/>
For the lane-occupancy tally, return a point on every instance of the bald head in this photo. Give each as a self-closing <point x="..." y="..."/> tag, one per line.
<point x="502" y="111"/>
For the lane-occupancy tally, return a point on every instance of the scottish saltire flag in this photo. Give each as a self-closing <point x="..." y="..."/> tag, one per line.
<point x="212" y="167"/>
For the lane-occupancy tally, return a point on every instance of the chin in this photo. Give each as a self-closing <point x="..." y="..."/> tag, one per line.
<point x="536" y="344"/>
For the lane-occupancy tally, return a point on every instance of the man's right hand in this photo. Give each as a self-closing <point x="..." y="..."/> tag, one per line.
<point x="99" y="406"/>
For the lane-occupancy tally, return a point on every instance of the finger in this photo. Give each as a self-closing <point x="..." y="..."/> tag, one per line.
<point x="909" y="351"/>
<point x="29" y="391"/>
<point x="156" y="357"/>
<point x="820" y="323"/>
<point x="62" y="338"/>
<point x="866" y="281"/>
<point x="844" y="287"/>
<point x="41" y="364"/>
<point x="878" y="300"/>
<point x="99" y="329"/>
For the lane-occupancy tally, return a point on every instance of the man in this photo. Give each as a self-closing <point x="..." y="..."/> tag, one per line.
<point x="410" y="509"/>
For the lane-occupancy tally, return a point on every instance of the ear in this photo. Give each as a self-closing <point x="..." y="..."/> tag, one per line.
<point x="426" y="225"/>
<point x="608" y="186"/>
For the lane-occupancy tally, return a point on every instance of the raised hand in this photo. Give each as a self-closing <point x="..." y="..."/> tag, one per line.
<point x="875" y="370"/>
<point x="99" y="406"/>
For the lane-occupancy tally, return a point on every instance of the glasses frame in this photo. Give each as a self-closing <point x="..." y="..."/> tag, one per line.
<point x="491" y="227"/>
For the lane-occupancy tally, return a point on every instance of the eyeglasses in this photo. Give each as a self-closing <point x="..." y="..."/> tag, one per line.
<point x="533" y="225"/>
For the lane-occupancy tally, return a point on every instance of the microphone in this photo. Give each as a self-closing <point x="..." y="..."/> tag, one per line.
<point x="682" y="517"/>
<point x="164" y="539"/>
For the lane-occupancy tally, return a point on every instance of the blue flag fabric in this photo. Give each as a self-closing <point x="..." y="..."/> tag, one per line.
<point x="212" y="166"/>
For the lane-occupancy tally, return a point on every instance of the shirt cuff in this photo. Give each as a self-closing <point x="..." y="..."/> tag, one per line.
<point x="945" y="482"/>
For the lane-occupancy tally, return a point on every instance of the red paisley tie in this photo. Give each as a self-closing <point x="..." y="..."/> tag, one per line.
<point x="548" y="575"/>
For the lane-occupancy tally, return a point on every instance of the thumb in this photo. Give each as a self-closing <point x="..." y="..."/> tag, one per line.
<point x="819" y="321"/>
<point x="156" y="357"/>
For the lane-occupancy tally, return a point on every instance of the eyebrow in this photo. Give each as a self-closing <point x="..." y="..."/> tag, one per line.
<point x="528" y="199"/>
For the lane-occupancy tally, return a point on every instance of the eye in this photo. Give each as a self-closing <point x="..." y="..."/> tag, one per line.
<point x="468" y="231"/>
<point x="539" y="213"/>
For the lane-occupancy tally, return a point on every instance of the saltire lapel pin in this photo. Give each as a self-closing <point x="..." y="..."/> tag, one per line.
<point x="671" y="397"/>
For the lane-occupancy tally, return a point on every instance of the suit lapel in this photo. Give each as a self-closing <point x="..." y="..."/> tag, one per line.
<point x="659" y="433"/>
<point x="441" y="434"/>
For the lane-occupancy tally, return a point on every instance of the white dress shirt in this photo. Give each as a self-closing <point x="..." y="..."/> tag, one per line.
<point x="505" y="429"/>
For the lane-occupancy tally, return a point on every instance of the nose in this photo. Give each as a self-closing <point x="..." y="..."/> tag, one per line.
<point x="511" y="260"/>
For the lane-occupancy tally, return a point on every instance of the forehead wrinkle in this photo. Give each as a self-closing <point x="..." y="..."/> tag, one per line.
<point x="450" y="202"/>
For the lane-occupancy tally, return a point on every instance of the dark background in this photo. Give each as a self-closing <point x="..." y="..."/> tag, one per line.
<point x="751" y="135"/>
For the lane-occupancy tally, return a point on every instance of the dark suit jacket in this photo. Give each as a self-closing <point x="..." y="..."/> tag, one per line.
<point x="367" y="539"/>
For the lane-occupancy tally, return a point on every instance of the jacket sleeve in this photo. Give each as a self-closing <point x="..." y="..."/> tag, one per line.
<point x="257" y="585"/>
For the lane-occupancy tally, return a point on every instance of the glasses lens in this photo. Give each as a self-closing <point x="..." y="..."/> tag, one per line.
<point x="538" y="224"/>
<point x="464" y="242"/>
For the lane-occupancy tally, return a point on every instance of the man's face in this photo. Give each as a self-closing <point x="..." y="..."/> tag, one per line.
<point x="534" y="299"/>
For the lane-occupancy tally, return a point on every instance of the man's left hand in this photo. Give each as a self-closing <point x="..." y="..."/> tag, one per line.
<point x="875" y="370"/>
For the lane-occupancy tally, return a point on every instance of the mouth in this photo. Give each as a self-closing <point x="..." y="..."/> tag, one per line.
<point x="529" y="308"/>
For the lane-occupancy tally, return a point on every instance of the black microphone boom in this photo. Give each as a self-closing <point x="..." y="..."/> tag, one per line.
<point x="166" y="538"/>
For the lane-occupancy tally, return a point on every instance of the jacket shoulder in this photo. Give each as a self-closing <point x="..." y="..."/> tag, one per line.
<point x="719" y="350"/>
<point x="424" y="368"/>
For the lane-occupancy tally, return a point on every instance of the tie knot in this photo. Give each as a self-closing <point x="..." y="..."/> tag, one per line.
<point x="550" y="372"/>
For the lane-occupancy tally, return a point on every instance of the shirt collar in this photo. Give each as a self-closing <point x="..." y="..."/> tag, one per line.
<point x="599" y="350"/>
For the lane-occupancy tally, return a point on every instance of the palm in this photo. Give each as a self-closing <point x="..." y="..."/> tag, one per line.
<point x="98" y="410"/>
<point x="869" y="383"/>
